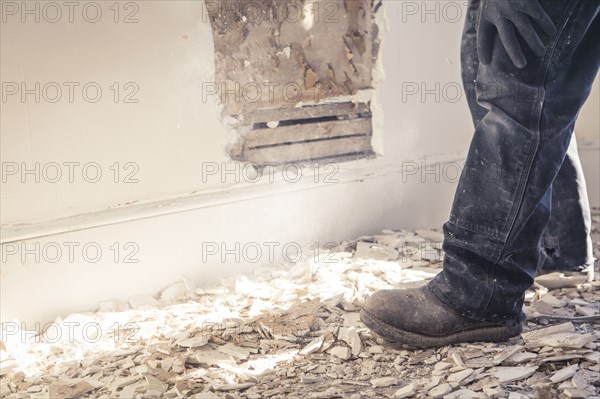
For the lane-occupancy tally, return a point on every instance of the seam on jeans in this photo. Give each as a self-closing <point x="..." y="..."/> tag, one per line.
<point x="538" y="115"/>
<point x="485" y="231"/>
<point x="481" y="230"/>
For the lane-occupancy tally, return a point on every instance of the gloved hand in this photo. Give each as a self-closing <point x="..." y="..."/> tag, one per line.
<point x="506" y="17"/>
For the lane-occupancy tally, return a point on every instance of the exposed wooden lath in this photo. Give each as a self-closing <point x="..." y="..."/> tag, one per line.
<point x="307" y="133"/>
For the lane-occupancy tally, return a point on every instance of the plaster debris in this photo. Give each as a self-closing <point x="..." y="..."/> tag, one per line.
<point x="460" y="376"/>
<point x="175" y="292"/>
<point x="464" y="394"/>
<point x="342" y="352"/>
<point x="351" y="337"/>
<point x="406" y="391"/>
<point x="312" y="347"/>
<point x="511" y="374"/>
<point x="440" y="390"/>
<point x="519" y="357"/>
<point x="384" y="382"/>
<point x="557" y="280"/>
<point x="296" y="334"/>
<point x="564" y="374"/>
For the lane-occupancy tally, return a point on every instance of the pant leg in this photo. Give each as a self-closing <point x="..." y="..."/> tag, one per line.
<point x="469" y="61"/>
<point x="566" y="243"/>
<point x="504" y="197"/>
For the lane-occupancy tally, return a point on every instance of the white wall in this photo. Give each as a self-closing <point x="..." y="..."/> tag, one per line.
<point x="171" y="133"/>
<point x="168" y="134"/>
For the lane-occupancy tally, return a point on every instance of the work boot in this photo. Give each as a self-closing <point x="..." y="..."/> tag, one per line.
<point x="416" y="317"/>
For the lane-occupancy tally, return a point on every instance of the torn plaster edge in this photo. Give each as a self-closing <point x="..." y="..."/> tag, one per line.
<point x="377" y="74"/>
<point x="234" y="133"/>
<point x="351" y="172"/>
<point x="207" y="68"/>
<point x="377" y="77"/>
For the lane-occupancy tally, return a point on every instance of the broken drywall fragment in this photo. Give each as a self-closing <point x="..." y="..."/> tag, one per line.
<point x="560" y="280"/>
<point x="457" y="359"/>
<point x="175" y="292"/>
<point x="351" y="337"/>
<point x="464" y="394"/>
<point x="313" y="346"/>
<point x="233" y="387"/>
<point x="384" y="382"/>
<point x="342" y="352"/>
<point x="212" y="357"/>
<point x="593" y="357"/>
<point x="552" y="301"/>
<point x="129" y="391"/>
<point x="352" y="320"/>
<point x="205" y="395"/>
<point x="578" y="302"/>
<point x="586" y="311"/>
<point x="442" y="366"/>
<point x="563" y="340"/>
<point x="543" y="308"/>
<point x="194" y="342"/>
<point x="432" y="383"/>
<point x="234" y="350"/>
<point x="460" y="376"/>
<point x="155" y="388"/>
<point x="545" y="331"/>
<point x="440" y="391"/>
<point x="511" y="374"/>
<point x="123" y="382"/>
<point x="581" y="381"/>
<point x="518" y="358"/>
<point x="309" y="379"/>
<point x="4" y="389"/>
<point x="564" y="374"/>
<point x="70" y="390"/>
<point x="578" y="393"/>
<point x="406" y="391"/>
<point x="484" y="383"/>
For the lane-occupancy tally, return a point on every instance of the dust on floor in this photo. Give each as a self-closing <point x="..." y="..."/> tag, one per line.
<point x="295" y="332"/>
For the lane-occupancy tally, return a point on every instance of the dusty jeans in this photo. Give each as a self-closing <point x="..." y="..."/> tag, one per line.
<point x="521" y="201"/>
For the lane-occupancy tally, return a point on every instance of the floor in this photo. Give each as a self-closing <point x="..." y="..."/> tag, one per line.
<point x="294" y="332"/>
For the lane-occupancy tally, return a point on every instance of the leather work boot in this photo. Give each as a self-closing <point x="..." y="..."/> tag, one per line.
<point x="416" y="317"/>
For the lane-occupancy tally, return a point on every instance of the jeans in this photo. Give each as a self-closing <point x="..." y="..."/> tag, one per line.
<point x="521" y="203"/>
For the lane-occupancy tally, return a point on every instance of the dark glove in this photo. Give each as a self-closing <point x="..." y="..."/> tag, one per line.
<point x="506" y="17"/>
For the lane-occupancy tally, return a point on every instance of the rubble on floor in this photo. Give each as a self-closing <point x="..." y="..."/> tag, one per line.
<point x="296" y="333"/>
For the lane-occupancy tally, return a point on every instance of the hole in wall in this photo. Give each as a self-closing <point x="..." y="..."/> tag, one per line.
<point x="291" y="86"/>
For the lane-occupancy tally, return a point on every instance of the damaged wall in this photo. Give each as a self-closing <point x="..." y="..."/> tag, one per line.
<point x="174" y="133"/>
<point x="276" y="54"/>
<point x="281" y="55"/>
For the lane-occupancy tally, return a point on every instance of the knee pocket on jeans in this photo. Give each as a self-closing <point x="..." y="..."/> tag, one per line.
<point x="492" y="230"/>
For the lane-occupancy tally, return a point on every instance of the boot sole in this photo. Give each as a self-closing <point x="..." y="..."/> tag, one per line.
<point x="492" y="333"/>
